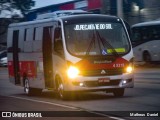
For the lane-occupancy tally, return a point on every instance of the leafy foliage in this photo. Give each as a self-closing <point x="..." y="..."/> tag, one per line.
<point x="22" y="5"/>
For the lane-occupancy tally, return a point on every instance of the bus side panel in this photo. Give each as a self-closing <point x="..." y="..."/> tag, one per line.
<point x="31" y="68"/>
<point x="137" y="53"/>
<point x="28" y="60"/>
<point x="152" y="47"/>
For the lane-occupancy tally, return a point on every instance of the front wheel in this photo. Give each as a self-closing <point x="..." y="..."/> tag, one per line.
<point x="118" y="92"/>
<point x="61" y="92"/>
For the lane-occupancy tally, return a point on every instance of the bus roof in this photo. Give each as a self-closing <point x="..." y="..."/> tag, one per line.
<point x="90" y="17"/>
<point x="156" y="22"/>
<point x="30" y="22"/>
<point x="63" y="18"/>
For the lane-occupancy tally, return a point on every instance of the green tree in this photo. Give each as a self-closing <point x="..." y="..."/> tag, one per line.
<point x="22" y="5"/>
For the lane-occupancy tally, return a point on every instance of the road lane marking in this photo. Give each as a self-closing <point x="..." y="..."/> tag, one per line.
<point x="56" y="104"/>
<point x="116" y="118"/>
<point x="101" y="114"/>
<point x="66" y="106"/>
<point x="147" y="81"/>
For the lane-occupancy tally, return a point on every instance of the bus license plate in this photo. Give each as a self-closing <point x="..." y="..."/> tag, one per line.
<point x="103" y="80"/>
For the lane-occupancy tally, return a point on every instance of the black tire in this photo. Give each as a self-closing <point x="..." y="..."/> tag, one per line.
<point x="31" y="91"/>
<point x="146" y="57"/>
<point x="64" y="95"/>
<point x="118" y="92"/>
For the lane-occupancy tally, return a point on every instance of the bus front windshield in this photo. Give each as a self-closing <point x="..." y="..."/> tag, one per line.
<point x="99" y="38"/>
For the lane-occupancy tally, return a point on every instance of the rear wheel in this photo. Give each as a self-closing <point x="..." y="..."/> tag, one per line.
<point x="30" y="91"/>
<point x="26" y="86"/>
<point x="118" y="92"/>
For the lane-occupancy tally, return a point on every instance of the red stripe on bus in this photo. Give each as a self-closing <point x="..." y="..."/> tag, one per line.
<point x="25" y="67"/>
<point x="90" y="65"/>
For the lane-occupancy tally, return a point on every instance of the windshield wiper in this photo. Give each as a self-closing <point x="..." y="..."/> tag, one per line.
<point x="90" y="45"/>
<point x="103" y="41"/>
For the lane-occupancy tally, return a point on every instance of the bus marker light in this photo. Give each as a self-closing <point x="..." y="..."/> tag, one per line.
<point x="124" y="81"/>
<point x="81" y="84"/>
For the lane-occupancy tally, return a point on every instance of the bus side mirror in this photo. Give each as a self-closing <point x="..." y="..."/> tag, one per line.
<point x="58" y="47"/>
<point x="57" y="32"/>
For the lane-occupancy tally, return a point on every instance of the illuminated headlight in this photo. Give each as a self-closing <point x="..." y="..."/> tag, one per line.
<point x="72" y="72"/>
<point x="129" y="69"/>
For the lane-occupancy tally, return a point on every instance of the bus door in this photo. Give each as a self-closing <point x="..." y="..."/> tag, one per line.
<point x="47" y="57"/>
<point x="16" y="50"/>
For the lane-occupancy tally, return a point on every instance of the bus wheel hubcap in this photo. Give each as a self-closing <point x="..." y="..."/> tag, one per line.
<point x="26" y="86"/>
<point x="61" y="90"/>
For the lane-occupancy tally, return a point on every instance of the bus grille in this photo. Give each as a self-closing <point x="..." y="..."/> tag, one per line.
<point x="96" y="83"/>
<point x="99" y="72"/>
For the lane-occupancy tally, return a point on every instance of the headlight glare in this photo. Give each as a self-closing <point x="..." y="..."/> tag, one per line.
<point x="72" y="72"/>
<point x="129" y="69"/>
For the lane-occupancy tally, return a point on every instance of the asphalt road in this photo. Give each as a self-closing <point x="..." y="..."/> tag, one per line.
<point x="143" y="98"/>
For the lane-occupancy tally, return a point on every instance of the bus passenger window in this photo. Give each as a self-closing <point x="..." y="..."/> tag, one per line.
<point x="136" y="36"/>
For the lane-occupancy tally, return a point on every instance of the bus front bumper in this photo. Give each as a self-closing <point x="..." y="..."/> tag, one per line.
<point x="99" y="83"/>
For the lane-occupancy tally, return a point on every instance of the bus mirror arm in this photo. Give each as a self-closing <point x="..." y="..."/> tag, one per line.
<point x="60" y="52"/>
<point x="59" y="47"/>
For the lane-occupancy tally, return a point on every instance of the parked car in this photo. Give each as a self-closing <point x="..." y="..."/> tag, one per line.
<point x="3" y="54"/>
<point x="3" y="62"/>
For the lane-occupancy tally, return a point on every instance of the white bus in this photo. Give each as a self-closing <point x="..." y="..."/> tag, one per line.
<point x="146" y="41"/>
<point x="71" y="52"/>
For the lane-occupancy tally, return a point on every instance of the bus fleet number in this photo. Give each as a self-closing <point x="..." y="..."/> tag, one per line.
<point x="118" y="65"/>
